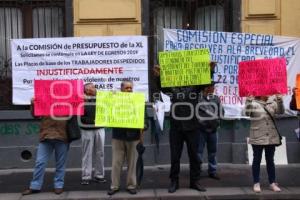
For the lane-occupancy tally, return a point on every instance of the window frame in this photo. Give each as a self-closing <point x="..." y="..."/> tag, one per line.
<point x="232" y="15"/>
<point x="8" y="111"/>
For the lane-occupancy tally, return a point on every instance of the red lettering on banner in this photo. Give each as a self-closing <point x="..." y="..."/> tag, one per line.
<point x="79" y="71"/>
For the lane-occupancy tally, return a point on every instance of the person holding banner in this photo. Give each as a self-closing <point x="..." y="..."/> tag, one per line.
<point x="293" y="106"/>
<point x="124" y="142"/>
<point x="184" y="127"/>
<point x="53" y="137"/>
<point x="209" y="112"/>
<point x="92" y="140"/>
<point x="293" y="102"/>
<point x="264" y="135"/>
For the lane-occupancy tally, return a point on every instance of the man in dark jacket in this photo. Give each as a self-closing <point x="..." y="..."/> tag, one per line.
<point x="183" y="128"/>
<point x="92" y="139"/>
<point x="124" y="142"/>
<point x="209" y="111"/>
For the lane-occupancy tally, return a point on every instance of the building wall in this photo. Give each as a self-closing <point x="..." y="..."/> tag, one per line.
<point x="107" y="17"/>
<point x="277" y="17"/>
<point x="19" y="133"/>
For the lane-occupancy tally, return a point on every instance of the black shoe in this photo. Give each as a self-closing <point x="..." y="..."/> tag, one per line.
<point x="196" y="186"/>
<point x="132" y="191"/>
<point x="30" y="191"/>
<point x="214" y="176"/>
<point x="58" y="191"/>
<point x="173" y="186"/>
<point x="100" y="180"/>
<point x="112" y="191"/>
<point x="85" y="182"/>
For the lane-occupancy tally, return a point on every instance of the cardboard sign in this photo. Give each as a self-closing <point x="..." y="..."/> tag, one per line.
<point x="58" y="97"/>
<point x="262" y="77"/>
<point x="120" y="109"/>
<point x="184" y="68"/>
<point x="298" y="91"/>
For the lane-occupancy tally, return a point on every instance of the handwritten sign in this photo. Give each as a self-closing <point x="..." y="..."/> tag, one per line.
<point x="262" y="77"/>
<point x="120" y="109"/>
<point x="58" y="97"/>
<point x="184" y="68"/>
<point x="298" y="91"/>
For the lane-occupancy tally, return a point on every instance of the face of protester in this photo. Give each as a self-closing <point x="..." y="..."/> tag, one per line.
<point x="127" y="87"/>
<point x="209" y="89"/>
<point x="90" y="90"/>
<point x="263" y="98"/>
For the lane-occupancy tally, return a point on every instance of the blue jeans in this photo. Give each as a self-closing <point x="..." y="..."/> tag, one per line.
<point x="211" y="141"/>
<point x="44" y="152"/>
<point x="269" y="155"/>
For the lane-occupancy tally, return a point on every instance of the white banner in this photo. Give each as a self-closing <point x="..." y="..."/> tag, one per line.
<point x="105" y="61"/>
<point x="228" y="49"/>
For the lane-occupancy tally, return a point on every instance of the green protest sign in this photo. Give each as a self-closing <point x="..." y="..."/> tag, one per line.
<point x="184" y="68"/>
<point x="120" y="109"/>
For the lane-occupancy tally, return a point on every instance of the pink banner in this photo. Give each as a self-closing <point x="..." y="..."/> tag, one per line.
<point x="58" y="97"/>
<point x="262" y="77"/>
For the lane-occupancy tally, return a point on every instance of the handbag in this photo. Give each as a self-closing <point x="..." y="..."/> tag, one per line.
<point x="73" y="129"/>
<point x="277" y="130"/>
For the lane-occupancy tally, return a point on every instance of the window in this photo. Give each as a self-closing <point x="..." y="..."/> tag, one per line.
<point x="26" y="19"/>
<point x="211" y="15"/>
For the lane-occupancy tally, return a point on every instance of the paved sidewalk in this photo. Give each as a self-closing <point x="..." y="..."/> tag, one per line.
<point x="162" y="194"/>
<point x="235" y="183"/>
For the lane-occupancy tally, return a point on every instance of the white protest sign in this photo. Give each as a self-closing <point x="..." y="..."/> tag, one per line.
<point x="106" y="61"/>
<point x="228" y="49"/>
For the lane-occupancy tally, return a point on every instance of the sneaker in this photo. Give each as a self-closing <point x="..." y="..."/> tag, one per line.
<point x="274" y="187"/>
<point x="85" y="182"/>
<point x="256" y="188"/>
<point x="100" y="180"/>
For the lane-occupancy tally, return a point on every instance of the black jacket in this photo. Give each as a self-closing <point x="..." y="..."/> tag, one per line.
<point x="88" y="119"/>
<point x="129" y="134"/>
<point x="179" y="96"/>
<point x="126" y="134"/>
<point x="209" y="112"/>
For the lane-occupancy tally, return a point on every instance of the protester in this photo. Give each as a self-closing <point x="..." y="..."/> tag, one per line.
<point x="184" y="127"/>
<point x="92" y="140"/>
<point x="53" y="137"/>
<point x="264" y="135"/>
<point x="209" y="119"/>
<point x="293" y="103"/>
<point x="293" y="106"/>
<point x="124" y="142"/>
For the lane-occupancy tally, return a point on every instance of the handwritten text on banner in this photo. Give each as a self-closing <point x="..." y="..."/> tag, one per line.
<point x="230" y="48"/>
<point x="58" y="98"/>
<point x="120" y="109"/>
<point x="184" y="68"/>
<point x="262" y="77"/>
